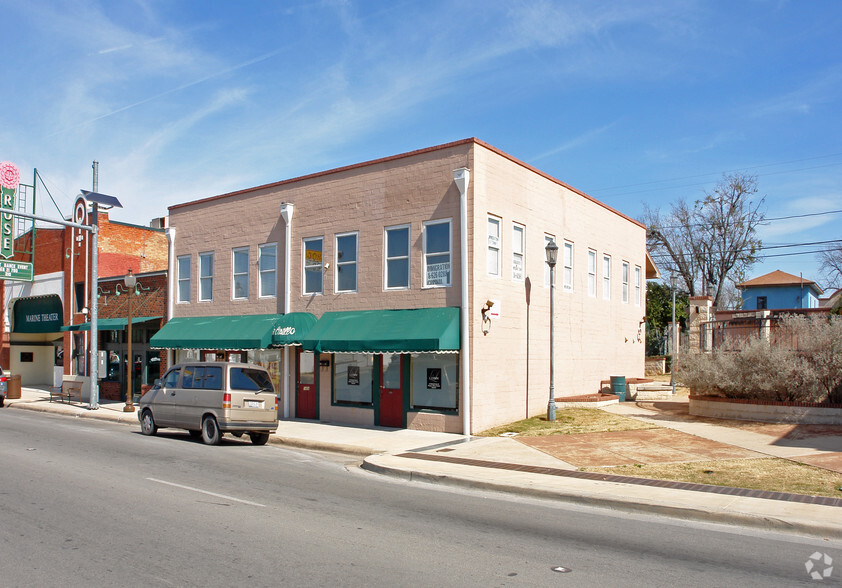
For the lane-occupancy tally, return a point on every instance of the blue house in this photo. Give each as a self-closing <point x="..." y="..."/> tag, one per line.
<point x="779" y="290"/>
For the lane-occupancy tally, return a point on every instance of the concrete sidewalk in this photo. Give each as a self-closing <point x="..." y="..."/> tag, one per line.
<point x="505" y="464"/>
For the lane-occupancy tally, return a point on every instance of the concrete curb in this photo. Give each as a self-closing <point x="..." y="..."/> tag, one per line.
<point x="617" y="503"/>
<point x="345" y="449"/>
<point x="115" y="417"/>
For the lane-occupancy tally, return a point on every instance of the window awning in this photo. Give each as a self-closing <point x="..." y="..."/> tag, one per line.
<point x="37" y="314"/>
<point x="111" y="324"/>
<point x="256" y="331"/>
<point x="386" y="331"/>
<point x="292" y="328"/>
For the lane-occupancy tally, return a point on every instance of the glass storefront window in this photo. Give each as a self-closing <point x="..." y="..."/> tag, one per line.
<point x="352" y="378"/>
<point x="435" y="381"/>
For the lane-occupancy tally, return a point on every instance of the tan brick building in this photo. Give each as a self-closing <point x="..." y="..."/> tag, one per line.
<point x="377" y="253"/>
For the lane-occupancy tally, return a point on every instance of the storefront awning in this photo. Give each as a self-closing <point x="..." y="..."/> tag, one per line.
<point x="256" y="331"/>
<point x="292" y="328"/>
<point x="111" y="324"/>
<point x="386" y="331"/>
<point x="37" y="314"/>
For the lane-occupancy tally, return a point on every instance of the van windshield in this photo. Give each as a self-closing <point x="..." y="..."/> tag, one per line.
<point x="251" y="380"/>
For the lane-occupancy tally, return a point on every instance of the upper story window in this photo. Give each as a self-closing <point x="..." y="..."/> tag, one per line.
<point x="268" y="266"/>
<point x="637" y="285"/>
<point x="547" y="239"/>
<point x="183" y="278"/>
<point x="437" y="254"/>
<point x="568" y="266"/>
<point x="493" y="256"/>
<point x="313" y="262"/>
<point x="518" y="249"/>
<point x="606" y="276"/>
<point x="591" y="272"/>
<point x="346" y="262"/>
<point x="206" y="277"/>
<point x="625" y="282"/>
<point x="240" y="276"/>
<point x="397" y="258"/>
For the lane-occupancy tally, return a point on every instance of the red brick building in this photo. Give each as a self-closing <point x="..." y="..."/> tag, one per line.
<point x="45" y="331"/>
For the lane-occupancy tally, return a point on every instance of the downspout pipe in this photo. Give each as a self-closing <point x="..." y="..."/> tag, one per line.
<point x="462" y="179"/>
<point x="286" y="213"/>
<point x="171" y="281"/>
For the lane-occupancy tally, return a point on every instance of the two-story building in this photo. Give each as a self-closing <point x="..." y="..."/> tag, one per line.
<point x="411" y="291"/>
<point x="779" y="290"/>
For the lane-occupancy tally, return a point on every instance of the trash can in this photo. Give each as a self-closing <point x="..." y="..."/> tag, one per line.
<point x="13" y="386"/>
<point x="618" y="387"/>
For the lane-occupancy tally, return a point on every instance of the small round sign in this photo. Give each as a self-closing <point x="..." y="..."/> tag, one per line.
<point x="80" y="211"/>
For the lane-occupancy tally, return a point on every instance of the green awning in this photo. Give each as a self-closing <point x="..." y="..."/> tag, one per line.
<point x="37" y="314"/>
<point x="386" y="331"/>
<point x="111" y="324"/>
<point x="255" y="331"/>
<point x="292" y="328"/>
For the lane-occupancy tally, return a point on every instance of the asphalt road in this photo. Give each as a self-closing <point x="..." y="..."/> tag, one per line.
<point x="91" y="503"/>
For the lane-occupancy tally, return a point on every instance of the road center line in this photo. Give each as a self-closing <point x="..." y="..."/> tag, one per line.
<point x="200" y="491"/>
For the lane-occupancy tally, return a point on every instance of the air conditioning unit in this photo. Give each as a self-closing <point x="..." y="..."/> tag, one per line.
<point x="160" y="223"/>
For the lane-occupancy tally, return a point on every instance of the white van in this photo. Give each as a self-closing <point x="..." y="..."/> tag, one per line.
<point x="212" y="398"/>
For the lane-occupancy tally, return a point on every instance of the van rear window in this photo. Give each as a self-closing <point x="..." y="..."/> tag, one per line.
<point x="250" y="380"/>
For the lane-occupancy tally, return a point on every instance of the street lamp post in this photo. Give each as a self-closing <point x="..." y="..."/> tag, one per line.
<point x="552" y="255"/>
<point x="673" y="284"/>
<point x="130" y="282"/>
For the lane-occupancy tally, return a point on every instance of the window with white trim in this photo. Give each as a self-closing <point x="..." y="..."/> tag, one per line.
<point x="313" y="262"/>
<point x="267" y="264"/>
<point x="567" y="260"/>
<point x="240" y="273"/>
<point x="637" y="285"/>
<point x="518" y="249"/>
<point x="183" y="278"/>
<point x="625" y="282"/>
<point x="606" y="277"/>
<point x="493" y="254"/>
<point x="591" y="273"/>
<point x="437" y="253"/>
<point x="397" y="258"/>
<point x="547" y="239"/>
<point x="346" y="262"/>
<point x="206" y="277"/>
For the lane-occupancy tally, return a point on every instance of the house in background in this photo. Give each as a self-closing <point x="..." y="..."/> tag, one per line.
<point x="779" y="290"/>
<point x="411" y="291"/>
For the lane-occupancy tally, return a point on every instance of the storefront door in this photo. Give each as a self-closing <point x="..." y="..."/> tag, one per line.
<point x="391" y="392"/>
<point x="305" y="380"/>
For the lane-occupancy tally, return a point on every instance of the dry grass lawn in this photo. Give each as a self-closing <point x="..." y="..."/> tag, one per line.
<point x="569" y="421"/>
<point x="771" y="473"/>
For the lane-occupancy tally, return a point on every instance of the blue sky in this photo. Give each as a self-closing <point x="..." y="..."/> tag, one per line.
<point x="631" y="102"/>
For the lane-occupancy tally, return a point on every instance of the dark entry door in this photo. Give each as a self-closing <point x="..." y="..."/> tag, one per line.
<point x="305" y="381"/>
<point x="391" y="391"/>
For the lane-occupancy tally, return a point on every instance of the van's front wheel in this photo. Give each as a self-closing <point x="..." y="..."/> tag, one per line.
<point x="259" y="438"/>
<point x="210" y="431"/>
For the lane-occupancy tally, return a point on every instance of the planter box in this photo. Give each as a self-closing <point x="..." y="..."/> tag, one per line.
<point x="802" y="413"/>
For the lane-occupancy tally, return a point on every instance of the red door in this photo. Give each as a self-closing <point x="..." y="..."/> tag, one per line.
<point x="305" y="380"/>
<point x="391" y="391"/>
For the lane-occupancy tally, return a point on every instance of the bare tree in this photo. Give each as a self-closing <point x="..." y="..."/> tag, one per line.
<point x="830" y="264"/>
<point x="708" y="241"/>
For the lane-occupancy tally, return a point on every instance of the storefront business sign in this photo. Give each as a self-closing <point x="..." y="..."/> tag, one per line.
<point x="9" y="180"/>
<point x="438" y="274"/>
<point x="37" y="314"/>
<point x="15" y="270"/>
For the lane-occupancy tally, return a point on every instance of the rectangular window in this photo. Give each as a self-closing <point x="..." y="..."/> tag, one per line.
<point x="437" y="266"/>
<point x="313" y="262"/>
<point x="547" y="239"/>
<point x="268" y="266"/>
<point x="518" y="248"/>
<point x="240" y="276"/>
<point x="493" y="255"/>
<point x="205" y="277"/>
<point x="568" y="266"/>
<point x="606" y="277"/>
<point x="346" y="263"/>
<point x="435" y="381"/>
<point x="184" y="278"/>
<point x="397" y="258"/>
<point x="352" y="378"/>
<point x="625" y="282"/>
<point x="637" y="285"/>
<point x="761" y="303"/>
<point x="591" y="273"/>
